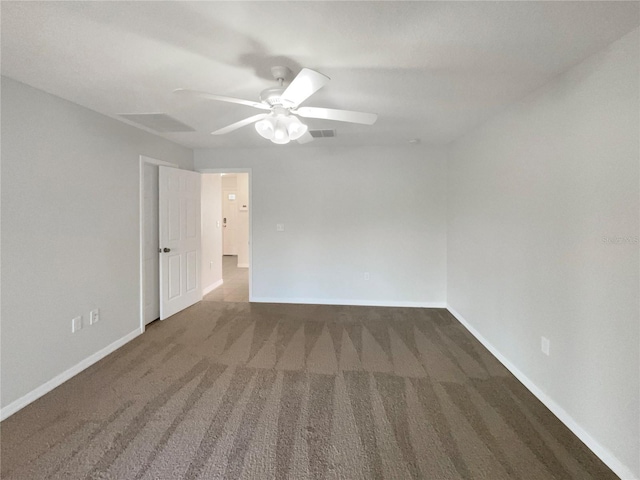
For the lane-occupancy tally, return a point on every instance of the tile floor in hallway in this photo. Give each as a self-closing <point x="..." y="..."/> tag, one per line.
<point x="236" y="283"/>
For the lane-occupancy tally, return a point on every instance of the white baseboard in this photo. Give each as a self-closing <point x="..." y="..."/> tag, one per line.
<point x="603" y="453"/>
<point x="243" y="265"/>
<point x="212" y="287"/>
<point x="342" y="301"/>
<point x="58" y="380"/>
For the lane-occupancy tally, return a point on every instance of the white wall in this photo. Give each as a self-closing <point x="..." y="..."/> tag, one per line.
<point x="346" y="211"/>
<point x="243" y="219"/>
<point x="535" y="195"/>
<point x="211" y="209"/>
<point x="70" y="233"/>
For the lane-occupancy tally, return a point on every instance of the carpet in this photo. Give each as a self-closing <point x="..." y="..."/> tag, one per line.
<point x="265" y="391"/>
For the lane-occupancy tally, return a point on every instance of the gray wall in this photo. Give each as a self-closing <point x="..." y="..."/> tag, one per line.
<point x="543" y="241"/>
<point x="346" y="211"/>
<point x="70" y="232"/>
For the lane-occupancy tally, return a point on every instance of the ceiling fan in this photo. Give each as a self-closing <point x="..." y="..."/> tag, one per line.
<point x="281" y="124"/>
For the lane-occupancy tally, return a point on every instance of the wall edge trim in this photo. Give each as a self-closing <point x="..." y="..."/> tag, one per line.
<point x="596" y="447"/>
<point x="212" y="287"/>
<point x="58" y="380"/>
<point x="349" y="302"/>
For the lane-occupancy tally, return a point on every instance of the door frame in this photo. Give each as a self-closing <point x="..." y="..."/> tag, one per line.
<point x="250" y="194"/>
<point x="153" y="161"/>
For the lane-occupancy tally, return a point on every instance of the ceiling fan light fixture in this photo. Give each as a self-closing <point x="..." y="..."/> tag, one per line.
<point x="266" y="128"/>
<point x="281" y="128"/>
<point x="280" y="133"/>
<point x="296" y="128"/>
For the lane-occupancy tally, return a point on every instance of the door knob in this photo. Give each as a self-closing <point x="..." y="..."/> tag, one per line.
<point x="166" y="250"/>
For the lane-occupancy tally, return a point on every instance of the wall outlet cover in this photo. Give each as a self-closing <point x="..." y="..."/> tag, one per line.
<point x="76" y="324"/>
<point x="545" y="345"/>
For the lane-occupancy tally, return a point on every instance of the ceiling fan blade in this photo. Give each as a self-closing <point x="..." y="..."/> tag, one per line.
<point x="306" y="83"/>
<point x="221" y="98"/>
<point x="339" y="115"/>
<point x="240" y="124"/>
<point x="306" y="138"/>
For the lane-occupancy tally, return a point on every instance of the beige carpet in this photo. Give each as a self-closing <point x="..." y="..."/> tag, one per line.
<point x="241" y="391"/>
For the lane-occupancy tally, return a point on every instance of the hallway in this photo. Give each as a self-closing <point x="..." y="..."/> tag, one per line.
<point x="236" y="283"/>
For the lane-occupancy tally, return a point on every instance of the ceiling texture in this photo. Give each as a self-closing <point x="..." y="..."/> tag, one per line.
<point x="430" y="70"/>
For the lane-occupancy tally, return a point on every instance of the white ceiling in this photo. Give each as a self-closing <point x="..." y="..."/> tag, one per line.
<point x="430" y="70"/>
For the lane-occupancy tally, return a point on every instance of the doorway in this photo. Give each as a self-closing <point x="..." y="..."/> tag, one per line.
<point x="235" y="239"/>
<point x="232" y="285"/>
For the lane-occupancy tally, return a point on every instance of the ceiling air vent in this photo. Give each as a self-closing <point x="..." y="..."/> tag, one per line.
<point x="160" y="122"/>
<point x="322" y="133"/>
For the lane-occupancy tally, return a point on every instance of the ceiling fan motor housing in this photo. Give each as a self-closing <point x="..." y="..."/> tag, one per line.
<point x="280" y="72"/>
<point x="272" y="96"/>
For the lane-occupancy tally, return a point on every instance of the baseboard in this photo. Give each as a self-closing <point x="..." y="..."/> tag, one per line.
<point x="58" y="380"/>
<point x="342" y="301"/>
<point x="212" y="287"/>
<point x="243" y="265"/>
<point x="600" y="451"/>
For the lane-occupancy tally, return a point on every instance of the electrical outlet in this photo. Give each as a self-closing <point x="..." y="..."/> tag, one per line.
<point x="279" y="227"/>
<point x="94" y="316"/>
<point x="366" y="276"/>
<point x="545" y="345"/>
<point x="76" y="324"/>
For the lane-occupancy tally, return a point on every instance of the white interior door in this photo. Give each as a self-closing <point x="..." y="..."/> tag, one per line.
<point x="150" y="245"/>
<point x="179" y="206"/>
<point x="229" y="222"/>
